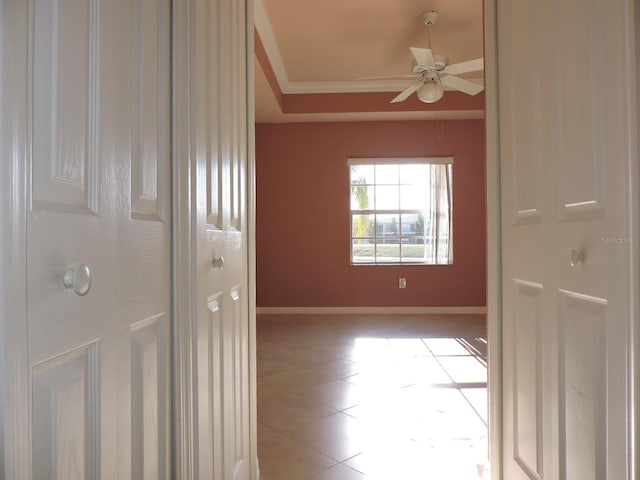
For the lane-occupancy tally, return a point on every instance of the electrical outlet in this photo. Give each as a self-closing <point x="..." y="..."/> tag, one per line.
<point x="402" y="283"/>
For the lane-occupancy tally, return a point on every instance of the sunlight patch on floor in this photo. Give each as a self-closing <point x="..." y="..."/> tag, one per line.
<point x="386" y="405"/>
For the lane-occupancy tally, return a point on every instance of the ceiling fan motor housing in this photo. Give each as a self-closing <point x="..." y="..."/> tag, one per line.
<point x="439" y="63"/>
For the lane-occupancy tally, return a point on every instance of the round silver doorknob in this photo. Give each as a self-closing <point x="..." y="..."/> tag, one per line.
<point x="577" y="257"/>
<point x="77" y="277"/>
<point x="218" y="262"/>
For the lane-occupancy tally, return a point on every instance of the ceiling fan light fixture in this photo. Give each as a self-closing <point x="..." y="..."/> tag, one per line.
<point x="430" y="91"/>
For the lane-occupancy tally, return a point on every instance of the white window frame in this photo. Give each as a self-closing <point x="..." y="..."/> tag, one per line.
<point x="374" y="211"/>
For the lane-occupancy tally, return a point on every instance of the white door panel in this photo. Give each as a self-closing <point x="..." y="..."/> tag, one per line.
<point x="66" y="425"/>
<point x="215" y="123"/>
<point x="566" y="158"/>
<point x="526" y="358"/>
<point x="98" y="95"/>
<point x="66" y="57"/>
<point x="582" y="386"/>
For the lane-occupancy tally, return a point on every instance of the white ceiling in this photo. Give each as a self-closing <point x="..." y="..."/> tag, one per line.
<point x="327" y="46"/>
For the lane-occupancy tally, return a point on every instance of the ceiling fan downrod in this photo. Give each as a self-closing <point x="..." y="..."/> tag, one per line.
<point x="429" y="19"/>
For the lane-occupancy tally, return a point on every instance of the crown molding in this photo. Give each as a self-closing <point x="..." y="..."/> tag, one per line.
<point x="355" y="86"/>
<point x="265" y="31"/>
<point x="372" y="116"/>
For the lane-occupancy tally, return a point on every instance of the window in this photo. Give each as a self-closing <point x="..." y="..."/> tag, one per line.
<point x="401" y="210"/>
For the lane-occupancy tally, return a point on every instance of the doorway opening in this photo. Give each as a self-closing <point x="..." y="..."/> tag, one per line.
<point x="308" y="264"/>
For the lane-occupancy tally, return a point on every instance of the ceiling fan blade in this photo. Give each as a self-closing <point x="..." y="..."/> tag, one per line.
<point x="406" y="93"/>
<point x="423" y="56"/>
<point x="413" y="75"/>
<point x="465" y="67"/>
<point x="461" y="85"/>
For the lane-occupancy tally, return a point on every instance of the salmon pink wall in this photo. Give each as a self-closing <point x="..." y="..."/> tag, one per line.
<point x="303" y="215"/>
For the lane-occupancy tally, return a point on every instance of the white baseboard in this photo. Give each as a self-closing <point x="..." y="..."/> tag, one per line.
<point x="371" y="310"/>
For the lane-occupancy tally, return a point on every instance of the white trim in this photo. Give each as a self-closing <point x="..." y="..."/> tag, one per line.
<point x="633" y="123"/>
<point x="270" y="44"/>
<point x="399" y="160"/>
<point x="254" y="470"/>
<point x="494" y="244"/>
<point x="15" y="398"/>
<point x="634" y="338"/>
<point x="182" y="231"/>
<point x="348" y="86"/>
<point x="371" y="310"/>
<point x="375" y="116"/>
<point x="355" y="86"/>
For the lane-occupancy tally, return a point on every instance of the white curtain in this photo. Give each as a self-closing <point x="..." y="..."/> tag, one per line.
<point x="438" y="228"/>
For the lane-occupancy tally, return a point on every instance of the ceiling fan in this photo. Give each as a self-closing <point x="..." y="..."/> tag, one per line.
<point x="435" y="73"/>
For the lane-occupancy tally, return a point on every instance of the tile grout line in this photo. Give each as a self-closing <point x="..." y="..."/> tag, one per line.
<point x="453" y="382"/>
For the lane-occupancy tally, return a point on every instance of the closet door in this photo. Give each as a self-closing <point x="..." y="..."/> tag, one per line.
<point x="569" y="223"/>
<point x="212" y="258"/>
<point x="94" y="79"/>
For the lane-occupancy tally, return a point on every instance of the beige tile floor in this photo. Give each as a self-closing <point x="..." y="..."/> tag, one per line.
<point x="372" y="397"/>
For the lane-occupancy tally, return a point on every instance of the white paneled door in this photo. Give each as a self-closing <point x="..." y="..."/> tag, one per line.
<point x="219" y="146"/>
<point x="569" y="222"/>
<point x="212" y="294"/>
<point x="95" y="79"/>
<point x="125" y="294"/>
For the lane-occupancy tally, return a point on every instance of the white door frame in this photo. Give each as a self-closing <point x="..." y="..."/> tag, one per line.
<point x="251" y="243"/>
<point x="14" y="374"/>
<point x="494" y="246"/>
<point x="181" y="186"/>
<point x="635" y="342"/>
